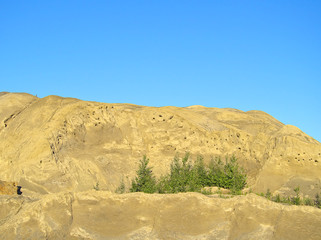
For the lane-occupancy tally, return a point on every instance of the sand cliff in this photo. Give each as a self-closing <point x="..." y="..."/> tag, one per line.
<point x="55" y="145"/>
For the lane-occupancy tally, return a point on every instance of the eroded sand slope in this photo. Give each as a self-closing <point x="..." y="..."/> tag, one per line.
<point x="56" y="144"/>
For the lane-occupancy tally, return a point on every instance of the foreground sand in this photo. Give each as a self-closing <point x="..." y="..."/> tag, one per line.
<point x="103" y="215"/>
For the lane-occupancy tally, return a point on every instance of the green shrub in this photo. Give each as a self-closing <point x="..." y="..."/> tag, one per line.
<point x="184" y="177"/>
<point x="277" y="198"/>
<point x="145" y="180"/>
<point x="236" y="179"/>
<point x="308" y="202"/>
<point x="163" y="185"/>
<point x="200" y="172"/>
<point x="296" y="200"/>
<point x="229" y="176"/>
<point x="216" y="176"/>
<point x="121" y="188"/>
<point x="268" y="194"/>
<point x="180" y="175"/>
<point x="96" y="187"/>
<point x="317" y="201"/>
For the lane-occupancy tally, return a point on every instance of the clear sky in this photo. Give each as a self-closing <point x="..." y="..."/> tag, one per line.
<point x="250" y="55"/>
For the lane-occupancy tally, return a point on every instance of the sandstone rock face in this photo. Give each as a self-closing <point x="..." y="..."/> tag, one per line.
<point x="56" y="144"/>
<point x="103" y="215"/>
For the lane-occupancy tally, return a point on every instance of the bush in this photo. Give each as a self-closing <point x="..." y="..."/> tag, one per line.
<point x="277" y="198"/>
<point x="96" y="187"/>
<point x="121" y="188"/>
<point x="145" y="180"/>
<point x="317" y="201"/>
<point x="200" y="173"/>
<point x="308" y="202"/>
<point x="183" y="176"/>
<point x="163" y="185"/>
<point x="296" y="200"/>
<point x="180" y="175"/>
<point x="229" y="176"/>
<point x="268" y="194"/>
<point x="216" y="174"/>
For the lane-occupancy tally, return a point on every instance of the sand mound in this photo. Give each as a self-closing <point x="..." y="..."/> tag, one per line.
<point x="55" y="144"/>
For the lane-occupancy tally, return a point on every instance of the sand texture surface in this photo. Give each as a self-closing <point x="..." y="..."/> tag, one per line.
<point x="104" y="215"/>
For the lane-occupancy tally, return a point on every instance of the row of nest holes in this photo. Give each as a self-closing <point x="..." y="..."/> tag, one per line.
<point x="310" y="159"/>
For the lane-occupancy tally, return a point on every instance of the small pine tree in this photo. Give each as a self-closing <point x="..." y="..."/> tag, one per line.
<point x="216" y="176"/>
<point x="296" y="200"/>
<point x="234" y="179"/>
<point x="179" y="174"/>
<point x="317" y="201"/>
<point x="163" y="185"/>
<point x="96" y="187"/>
<point x="268" y="194"/>
<point x="200" y="172"/>
<point x="145" y="180"/>
<point x="277" y="198"/>
<point x="121" y="188"/>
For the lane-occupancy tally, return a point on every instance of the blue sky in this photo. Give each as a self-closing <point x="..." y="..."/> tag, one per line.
<point x="250" y="55"/>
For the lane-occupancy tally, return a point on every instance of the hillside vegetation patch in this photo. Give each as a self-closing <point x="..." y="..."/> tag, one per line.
<point x="187" y="177"/>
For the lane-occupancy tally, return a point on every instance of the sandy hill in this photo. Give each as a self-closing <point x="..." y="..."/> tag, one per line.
<point x="55" y="145"/>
